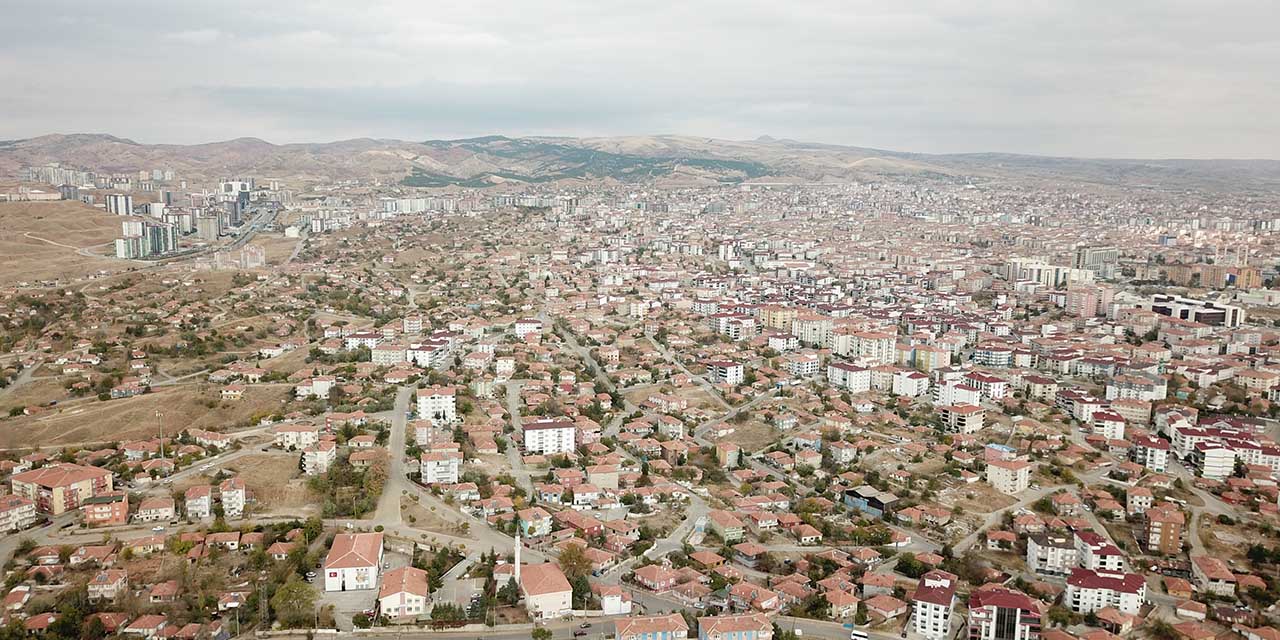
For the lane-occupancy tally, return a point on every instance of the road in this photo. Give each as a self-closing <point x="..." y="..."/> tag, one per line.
<point x="733" y="412"/>
<point x="513" y="453"/>
<point x="387" y="513"/>
<point x="702" y="382"/>
<point x="995" y="517"/>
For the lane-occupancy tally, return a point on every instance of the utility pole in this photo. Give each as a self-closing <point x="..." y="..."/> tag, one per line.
<point x="160" y="428"/>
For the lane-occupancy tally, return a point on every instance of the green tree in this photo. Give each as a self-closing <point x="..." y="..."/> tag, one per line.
<point x="509" y="593"/>
<point x="294" y="604"/>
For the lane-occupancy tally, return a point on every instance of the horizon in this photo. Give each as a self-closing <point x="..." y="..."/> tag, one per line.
<point x="755" y="140"/>
<point x="1141" y="79"/>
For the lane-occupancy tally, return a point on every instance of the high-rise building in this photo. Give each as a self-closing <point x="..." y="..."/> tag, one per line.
<point x="146" y="238"/>
<point x="120" y="204"/>
<point x="208" y="227"/>
<point x="1100" y="260"/>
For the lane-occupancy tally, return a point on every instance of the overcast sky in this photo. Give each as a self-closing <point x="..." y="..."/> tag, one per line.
<point x="1119" y="78"/>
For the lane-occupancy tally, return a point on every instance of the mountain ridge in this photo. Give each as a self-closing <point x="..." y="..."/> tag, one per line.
<point x="665" y="159"/>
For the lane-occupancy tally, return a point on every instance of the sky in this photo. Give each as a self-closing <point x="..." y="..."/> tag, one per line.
<point x="1115" y="78"/>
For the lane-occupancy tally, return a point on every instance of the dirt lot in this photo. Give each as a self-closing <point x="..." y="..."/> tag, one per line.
<point x="276" y="482"/>
<point x="421" y="517"/>
<point x="35" y="392"/>
<point x="276" y="247"/>
<point x="90" y="421"/>
<point x="42" y="237"/>
<point x="984" y="499"/>
<point x="753" y="435"/>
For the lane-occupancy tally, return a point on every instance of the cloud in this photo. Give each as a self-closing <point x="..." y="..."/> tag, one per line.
<point x="1139" y="78"/>
<point x="195" y="36"/>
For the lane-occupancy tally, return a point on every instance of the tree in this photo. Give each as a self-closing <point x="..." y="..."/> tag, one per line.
<point x="580" y="598"/>
<point x="294" y="603"/>
<point x="509" y="593"/>
<point x="574" y="563"/>
<point x="1161" y="630"/>
<point x="541" y="633"/>
<point x="312" y="529"/>
<point x="93" y="629"/>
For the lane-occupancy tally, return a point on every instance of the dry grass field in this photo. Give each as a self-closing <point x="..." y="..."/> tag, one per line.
<point x="91" y="421"/>
<point x="276" y="248"/>
<point x="276" y="482"/>
<point x="43" y="239"/>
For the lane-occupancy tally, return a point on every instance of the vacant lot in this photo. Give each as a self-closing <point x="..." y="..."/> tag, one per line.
<point x="42" y="240"/>
<point x="183" y="406"/>
<point x="277" y="484"/>
<point x="36" y="392"/>
<point x="422" y="517"/>
<point x="276" y="248"/>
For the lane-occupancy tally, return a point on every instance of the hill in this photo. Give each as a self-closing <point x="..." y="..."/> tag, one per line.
<point x="661" y="159"/>
<point x="46" y="240"/>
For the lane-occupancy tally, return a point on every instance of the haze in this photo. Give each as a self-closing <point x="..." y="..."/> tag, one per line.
<point x="1130" y="79"/>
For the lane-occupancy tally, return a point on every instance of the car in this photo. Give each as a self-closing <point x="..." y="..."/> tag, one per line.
<point x="578" y="633"/>
<point x="585" y="625"/>
<point x="157" y="528"/>
<point x="311" y="575"/>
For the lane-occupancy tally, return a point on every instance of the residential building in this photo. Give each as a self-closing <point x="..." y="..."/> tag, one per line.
<point x="1150" y="452"/>
<point x="669" y="627"/>
<point x="231" y="492"/>
<point x="199" y="502"/>
<point x="1003" y="614"/>
<point x="725" y="372"/>
<point x="962" y="418"/>
<point x="296" y="436"/>
<point x="106" y="509"/>
<point x="440" y="467"/>
<point x="1163" y="529"/>
<point x="107" y="584"/>
<point x="1051" y="553"/>
<point x="850" y="377"/>
<point x="16" y="513"/>
<point x="1009" y="477"/>
<point x="932" y="603"/>
<point x="317" y="458"/>
<point x="1213" y="576"/>
<point x="548" y="436"/>
<point x="752" y="626"/>
<point x="438" y="404"/>
<point x="59" y="488"/>
<point x="1090" y="591"/>
<point x="160" y="509"/>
